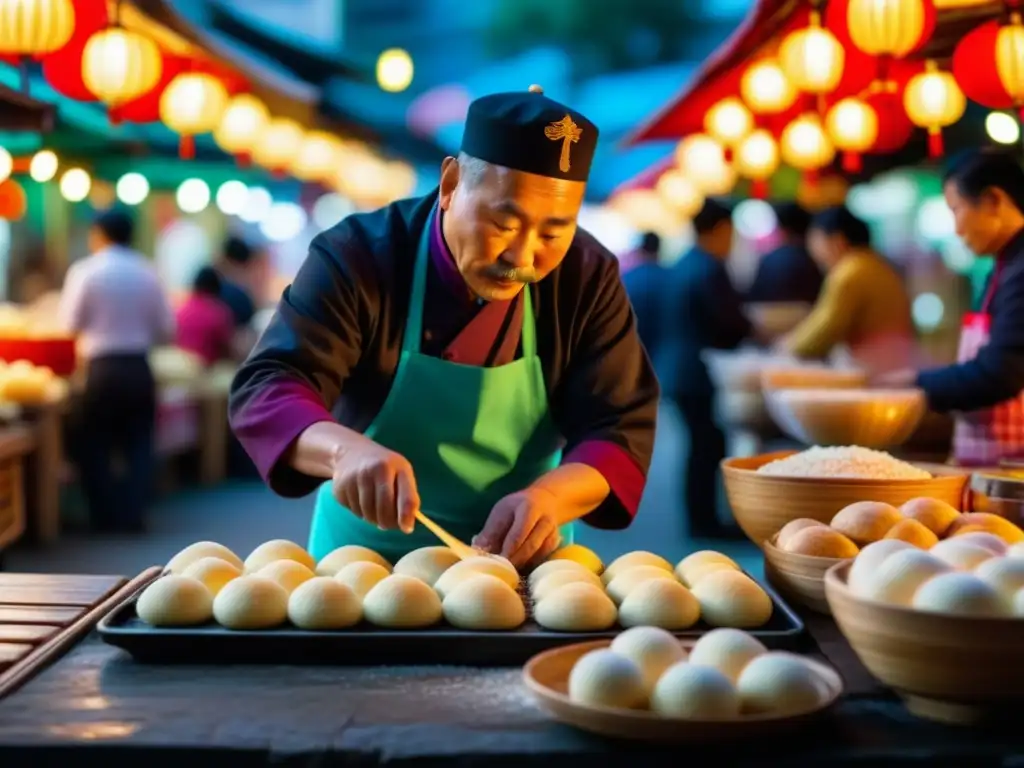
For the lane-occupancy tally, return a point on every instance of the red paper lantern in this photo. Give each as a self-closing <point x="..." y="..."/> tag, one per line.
<point x="836" y="20"/>
<point x="974" y="67"/>
<point x="146" y="108"/>
<point x="63" y="69"/>
<point x="13" y="202"/>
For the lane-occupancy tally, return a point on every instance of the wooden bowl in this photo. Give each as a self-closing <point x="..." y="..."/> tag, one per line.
<point x="811" y="377"/>
<point x="799" y="578"/>
<point x="947" y="668"/>
<point x="762" y="504"/>
<point x="547" y="676"/>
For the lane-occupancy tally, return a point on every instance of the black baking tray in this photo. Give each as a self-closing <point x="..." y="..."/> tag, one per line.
<point x="365" y="644"/>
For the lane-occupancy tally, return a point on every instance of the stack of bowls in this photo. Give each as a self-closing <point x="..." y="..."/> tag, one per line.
<point x="800" y="579"/>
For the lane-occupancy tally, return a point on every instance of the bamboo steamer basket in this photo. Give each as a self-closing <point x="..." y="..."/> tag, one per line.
<point x="799" y="578"/>
<point x="951" y="669"/>
<point x="763" y="504"/>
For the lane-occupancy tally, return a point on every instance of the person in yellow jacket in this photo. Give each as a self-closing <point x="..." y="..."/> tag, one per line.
<point x="863" y="304"/>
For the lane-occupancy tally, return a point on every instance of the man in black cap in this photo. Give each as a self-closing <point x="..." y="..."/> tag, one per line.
<point x="406" y="369"/>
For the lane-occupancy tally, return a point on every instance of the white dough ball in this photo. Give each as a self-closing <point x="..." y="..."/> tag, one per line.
<point x="661" y="603"/>
<point x="631" y="560"/>
<point x="402" y="602"/>
<point x="900" y="575"/>
<point x="490" y="564"/>
<point x="287" y="573"/>
<point x="198" y="551"/>
<point x="694" y="566"/>
<point x="962" y="555"/>
<point x="604" y="678"/>
<point x="1005" y="574"/>
<point x="985" y="540"/>
<point x="483" y="601"/>
<point x="653" y="650"/>
<point x="727" y="650"/>
<point x="779" y="683"/>
<point x="213" y="572"/>
<point x="426" y="563"/>
<point x="1015" y="550"/>
<point x="251" y="602"/>
<point x="960" y="594"/>
<point x="576" y="607"/>
<point x="324" y="603"/>
<point x="554" y="566"/>
<point x="630" y="578"/>
<point x="175" y="601"/>
<point x="870" y="558"/>
<point x="361" y="576"/>
<point x="732" y="599"/>
<point x="696" y="693"/>
<point x="337" y="559"/>
<point x="559" y="578"/>
<point x="278" y="549"/>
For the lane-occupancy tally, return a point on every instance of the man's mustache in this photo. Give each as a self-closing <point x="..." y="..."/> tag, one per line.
<point x="509" y="274"/>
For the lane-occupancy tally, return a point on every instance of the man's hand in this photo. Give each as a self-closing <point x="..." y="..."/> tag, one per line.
<point x="522" y="527"/>
<point x="377" y="485"/>
<point x="901" y="379"/>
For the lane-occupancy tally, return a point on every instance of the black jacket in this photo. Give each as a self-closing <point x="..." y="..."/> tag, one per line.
<point x="787" y="273"/>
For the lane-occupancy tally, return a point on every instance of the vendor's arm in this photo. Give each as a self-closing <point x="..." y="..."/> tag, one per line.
<point x="73" y="300"/>
<point x="997" y="372"/>
<point x="830" y="321"/>
<point x="295" y="373"/>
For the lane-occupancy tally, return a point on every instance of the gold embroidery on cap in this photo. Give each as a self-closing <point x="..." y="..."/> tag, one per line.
<point x="566" y="131"/>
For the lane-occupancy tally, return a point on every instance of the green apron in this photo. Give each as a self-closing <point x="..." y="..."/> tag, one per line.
<point x="473" y="436"/>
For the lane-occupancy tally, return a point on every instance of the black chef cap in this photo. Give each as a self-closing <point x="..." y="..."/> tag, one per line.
<point x="527" y="131"/>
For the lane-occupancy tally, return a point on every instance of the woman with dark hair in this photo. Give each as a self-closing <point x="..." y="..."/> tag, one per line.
<point x="985" y="191"/>
<point x="863" y="304"/>
<point x="206" y="324"/>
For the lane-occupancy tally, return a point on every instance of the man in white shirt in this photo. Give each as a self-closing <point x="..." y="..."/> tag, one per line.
<point x="114" y="301"/>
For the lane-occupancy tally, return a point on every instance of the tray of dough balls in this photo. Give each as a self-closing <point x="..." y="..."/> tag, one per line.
<point x="279" y="605"/>
<point x="646" y="684"/>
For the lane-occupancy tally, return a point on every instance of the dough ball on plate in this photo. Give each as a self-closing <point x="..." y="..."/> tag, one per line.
<point x="577" y="553"/>
<point x="558" y="578"/>
<point x="986" y="521"/>
<point x="278" y="549"/>
<point x="632" y="559"/>
<point x="653" y="650"/>
<point x="553" y="566"/>
<point x="426" y="563"/>
<point x="576" y="607"/>
<point x="482" y="601"/>
<point x="362" y="576"/>
<point x="402" y="602"/>
<point x="175" y="601"/>
<point x="213" y="572"/>
<point x="960" y="594"/>
<point x="199" y="550"/>
<point x="962" y="555"/>
<point x="899" y="576"/>
<point x="794" y="527"/>
<point x="914" y="533"/>
<point x="974" y="535"/>
<point x="287" y="573"/>
<point x="866" y="521"/>
<point x="629" y="579"/>
<point x="732" y="599"/>
<point x="324" y="603"/>
<point x="727" y="650"/>
<point x="821" y="541"/>
<point x="781" y="684"/>
<point x="604" y="678"/>
<point x="490" y="564"/>
<point x="870" y="559"/>
<point x="251" y="602"/>
<point x="933" y="514"/>
<point x="1015" y="550"/>
<point x="661" y="603"/>
<point x="695" y="693"/>
<point x="695" y="566"/>
<point x="334" y="561"/>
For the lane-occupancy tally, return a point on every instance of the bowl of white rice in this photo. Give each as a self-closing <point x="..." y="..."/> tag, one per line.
<point x="872" y="418"/>
<point x="770" y="490"/>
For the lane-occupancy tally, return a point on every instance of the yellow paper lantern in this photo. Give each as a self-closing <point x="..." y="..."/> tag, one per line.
<point x="852" y="126"/>
<point x="401" y="179"/>
<point x="319" y="154"/>
<point x="1010" y="57"/>
<point x="193" y="103"/>
<point x="804" y="145"/>
<point x="933" y="101"/>
<point x="886" y="27"/>
<point x="702" y="160"/>
<point x="35" y="27"/>
<point x="729" y="121"/>
<point x="645" y="210"/>
<point x="679" y="193"/>
<point x="239" y="129"/>
<point x="757" y="158"/>
<point x="766" y="89"/>
<point x="278" y="144"/>
<point x="119" y="65"/>
<point x="812" y="58"/>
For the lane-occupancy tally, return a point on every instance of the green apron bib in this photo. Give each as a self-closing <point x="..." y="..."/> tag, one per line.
<point x="473" y="436"/>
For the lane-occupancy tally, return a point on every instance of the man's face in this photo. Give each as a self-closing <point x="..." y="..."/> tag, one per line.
<point x="825" y="249"/>
<point x="507" y="228"/>
<point x="978" y="223"/>
<point x="96" y="240"/>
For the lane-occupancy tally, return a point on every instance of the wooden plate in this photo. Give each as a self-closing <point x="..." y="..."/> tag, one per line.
<point x="547" y="676"/>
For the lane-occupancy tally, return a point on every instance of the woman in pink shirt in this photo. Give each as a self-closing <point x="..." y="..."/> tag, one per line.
<point x="205" y="324"/>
